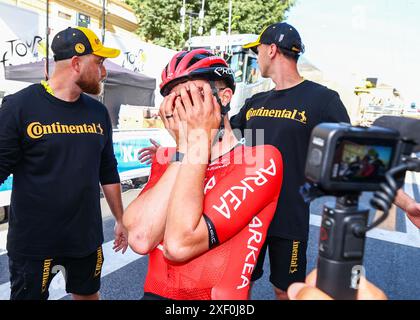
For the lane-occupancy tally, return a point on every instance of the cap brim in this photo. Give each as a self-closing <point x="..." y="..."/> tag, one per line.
<point x="251" y="44"/>
<point x="107" y="52"/>
<point x="256" y="42"/>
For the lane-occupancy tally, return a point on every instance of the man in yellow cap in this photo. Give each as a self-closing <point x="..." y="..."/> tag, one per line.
<point x="75" y="47"/>
<point x="57" y="143"/>
<point x="287" y="114"/>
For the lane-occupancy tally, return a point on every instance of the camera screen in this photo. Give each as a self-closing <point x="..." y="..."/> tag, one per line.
<point x="361" y="161"/>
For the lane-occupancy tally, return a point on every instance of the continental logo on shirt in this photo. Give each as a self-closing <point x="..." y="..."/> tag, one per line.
<point x="37" y="130"/>
<point x="277" y="113"/>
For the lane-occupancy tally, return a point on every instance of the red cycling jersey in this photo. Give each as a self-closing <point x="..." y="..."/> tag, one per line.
<point x="241" y="191"/>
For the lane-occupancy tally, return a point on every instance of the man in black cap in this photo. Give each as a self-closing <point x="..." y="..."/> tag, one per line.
<point x="57" y="143"/>
<point x="288" y="113"/>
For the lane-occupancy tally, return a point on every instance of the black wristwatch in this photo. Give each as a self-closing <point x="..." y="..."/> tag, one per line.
<point x="178" y="156"/>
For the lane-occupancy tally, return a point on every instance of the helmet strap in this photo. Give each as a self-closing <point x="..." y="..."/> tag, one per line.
<point x="223" y="110"/>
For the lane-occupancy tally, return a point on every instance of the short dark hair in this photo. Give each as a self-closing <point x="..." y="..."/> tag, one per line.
<point x="225" y="83"/>
<point x="289" y="54"/>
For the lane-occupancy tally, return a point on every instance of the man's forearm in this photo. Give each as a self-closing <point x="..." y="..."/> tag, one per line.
<point x="186" y="204"/>
<point x="151" y="206"/>
<point x="112" y="194"/>
<point x="145" y="217"/>
<point x="182" y="232"/>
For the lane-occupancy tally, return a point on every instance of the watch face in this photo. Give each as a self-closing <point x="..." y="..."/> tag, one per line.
<point x="178" y="156"/>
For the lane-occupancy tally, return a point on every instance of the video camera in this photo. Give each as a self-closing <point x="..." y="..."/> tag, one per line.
<point x="345" y="161"/>
<point x="342" y="158"/>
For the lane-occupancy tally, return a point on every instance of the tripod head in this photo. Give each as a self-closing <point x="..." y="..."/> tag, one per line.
<point x="343" y="234"/>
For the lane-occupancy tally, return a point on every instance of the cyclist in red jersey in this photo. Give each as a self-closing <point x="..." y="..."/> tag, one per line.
<point x="204" y="214"/>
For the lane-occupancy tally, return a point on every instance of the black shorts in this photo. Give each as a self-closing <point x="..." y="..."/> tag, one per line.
<point x="30" y="279"/>
<point x="152" y="296"/>
<point x="287" y="262"/>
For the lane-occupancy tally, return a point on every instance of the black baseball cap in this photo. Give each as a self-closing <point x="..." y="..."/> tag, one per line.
<point x="79" y="41"/>
<point x="283" y="35"/>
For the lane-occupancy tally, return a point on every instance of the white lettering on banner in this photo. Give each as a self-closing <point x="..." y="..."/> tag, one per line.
<point x="259" y="180"/>
<point x="21" y="48"/>
<point x="129" y="153"/>
<point x="134" y="61"/>
<point x="251" y="258"/>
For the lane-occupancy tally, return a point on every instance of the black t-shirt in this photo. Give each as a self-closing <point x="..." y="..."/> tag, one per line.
<point x="58" y="153"/>
<point x="287" y="118"/>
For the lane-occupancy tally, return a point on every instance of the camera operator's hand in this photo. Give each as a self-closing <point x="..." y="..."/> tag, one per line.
<point x="413" y="213"/>
<point x="410" y="206"/>
<point x="308" y="291"/>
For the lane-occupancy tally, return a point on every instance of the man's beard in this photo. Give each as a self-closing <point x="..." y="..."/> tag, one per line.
<point x="90" y="86"/>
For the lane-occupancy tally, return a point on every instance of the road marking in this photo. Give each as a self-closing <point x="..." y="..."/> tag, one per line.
<point x="112" y="262"/>
<point x="412" y="177"/>
<point x="390" y="222"/>
<point x="387" y="232"/>
<point x="127" y="197"/>
<point x="3" y="240"/>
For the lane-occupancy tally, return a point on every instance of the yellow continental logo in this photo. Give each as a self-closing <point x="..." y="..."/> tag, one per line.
<point x="37" y="130"/>
<point x="277" y="113"/>
<point x="46" y="274"/>
<point x="79" y="47"/>
<point x="294" y="261"/>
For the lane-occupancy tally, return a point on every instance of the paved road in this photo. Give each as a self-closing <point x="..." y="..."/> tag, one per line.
<point x="392" y="257"/>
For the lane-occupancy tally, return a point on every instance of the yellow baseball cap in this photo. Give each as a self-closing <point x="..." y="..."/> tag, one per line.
<point x="282" y="34"/>
<point x="80" y="41"/>
<point x="256" y="42"/>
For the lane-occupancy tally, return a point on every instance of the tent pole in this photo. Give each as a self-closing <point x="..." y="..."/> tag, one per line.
<point x="102" y="95"/>
<point x="47" y="39"/>
<point x="103" y="20"/>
